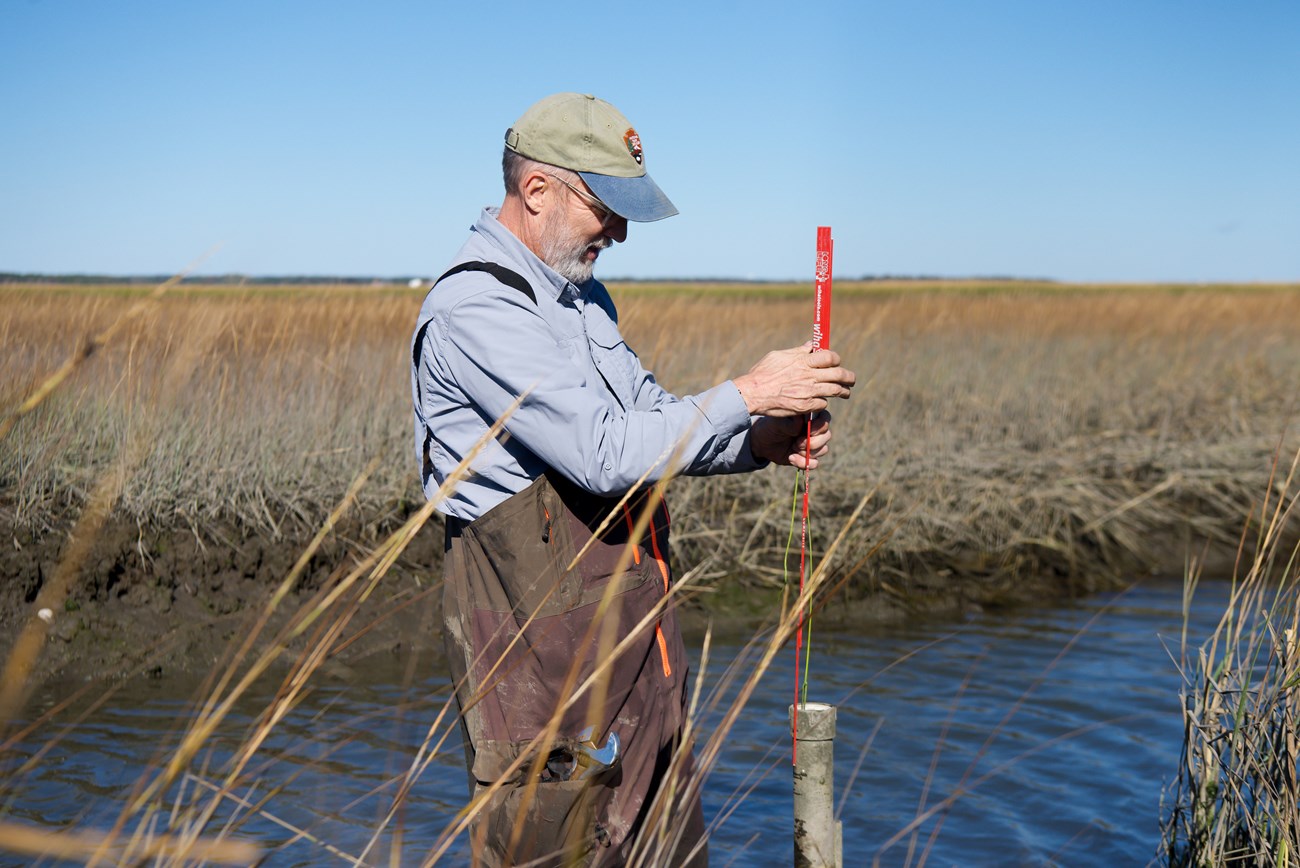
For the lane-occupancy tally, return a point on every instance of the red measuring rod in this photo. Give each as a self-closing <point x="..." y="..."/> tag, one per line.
<point x="822" y="301"/>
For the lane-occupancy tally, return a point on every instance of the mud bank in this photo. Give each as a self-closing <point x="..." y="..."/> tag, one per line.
<point x="155" y="601"/>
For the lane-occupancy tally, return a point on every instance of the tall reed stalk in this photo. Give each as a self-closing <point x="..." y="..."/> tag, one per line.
<point x="1236" y="799"/>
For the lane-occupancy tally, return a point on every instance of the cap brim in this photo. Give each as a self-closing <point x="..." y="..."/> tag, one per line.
<point x="636" y="199"/>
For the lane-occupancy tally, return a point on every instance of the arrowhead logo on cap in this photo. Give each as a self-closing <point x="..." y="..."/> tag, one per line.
<point x="633" y="142"/>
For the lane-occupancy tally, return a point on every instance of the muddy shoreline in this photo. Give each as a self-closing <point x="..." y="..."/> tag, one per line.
<point x="159" y="601"/>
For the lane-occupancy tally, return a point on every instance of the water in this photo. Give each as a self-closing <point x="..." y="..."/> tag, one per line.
<point x="1046" y="736"/>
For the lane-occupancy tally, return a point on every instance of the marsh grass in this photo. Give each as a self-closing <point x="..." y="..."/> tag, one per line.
<point x="1075" y="433"/>
<point x="1012" y="438"/>
<point x="991" y="436"/>
<point x="1236" y="798"/>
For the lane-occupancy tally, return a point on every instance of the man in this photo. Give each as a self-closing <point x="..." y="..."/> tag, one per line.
<point x="570" y="672"/>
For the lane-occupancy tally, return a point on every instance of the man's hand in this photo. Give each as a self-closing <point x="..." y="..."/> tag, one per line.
<point x="794" y="382"/>
<point x="785" y="440"/>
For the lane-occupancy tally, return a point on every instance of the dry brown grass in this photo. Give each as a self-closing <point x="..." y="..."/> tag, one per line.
<point x="289" y="397"/>
<point x="1078" y="435"/>
<point x="1071" y="431"/>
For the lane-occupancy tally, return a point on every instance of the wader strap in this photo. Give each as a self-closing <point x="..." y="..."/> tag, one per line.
<point x="454" y="527"/>
<point x="512" y="279"/>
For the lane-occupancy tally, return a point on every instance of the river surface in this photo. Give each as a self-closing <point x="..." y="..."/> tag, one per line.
<point x="1046" y="737"/>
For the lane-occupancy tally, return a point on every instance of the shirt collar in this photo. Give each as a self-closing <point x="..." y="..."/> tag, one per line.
<point x="490" y="228"/>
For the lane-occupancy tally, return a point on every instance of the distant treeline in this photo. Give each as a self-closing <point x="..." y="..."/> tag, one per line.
<point x="238" y="279"/>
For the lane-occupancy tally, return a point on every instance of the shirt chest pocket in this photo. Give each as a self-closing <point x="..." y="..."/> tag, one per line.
<point x="616" y="365"/>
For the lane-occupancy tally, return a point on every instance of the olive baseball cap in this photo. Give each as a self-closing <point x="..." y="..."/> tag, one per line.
<point x="588" y="135"/>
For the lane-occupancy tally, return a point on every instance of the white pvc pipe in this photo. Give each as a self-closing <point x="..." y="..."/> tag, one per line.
<point x="816" y="831"/>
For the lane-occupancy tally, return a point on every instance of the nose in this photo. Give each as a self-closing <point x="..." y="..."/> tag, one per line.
<point x="617" y="229"/>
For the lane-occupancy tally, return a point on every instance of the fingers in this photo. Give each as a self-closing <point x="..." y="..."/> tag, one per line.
<point x="797" y="441"/>
<point x="818" y="446"/>
<point x="806" y="355"/>
<point x="811" y="442"/>
<point x="826" y="367"/>
<point x="813" y="398"/>
<point x="822" y="358"/>
<point x="797" y="461"/>
<point x="794" y="382"/>
<point x="815" y="432"/>
<point x="805" y="460"/>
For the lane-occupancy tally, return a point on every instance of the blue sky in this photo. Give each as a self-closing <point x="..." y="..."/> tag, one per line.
<point x="1097" y="141"/>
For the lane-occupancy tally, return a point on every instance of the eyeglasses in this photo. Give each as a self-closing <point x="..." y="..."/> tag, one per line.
<point x="599" y="208"/>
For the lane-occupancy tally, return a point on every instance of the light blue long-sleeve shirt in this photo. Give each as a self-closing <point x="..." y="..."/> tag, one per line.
<point x="590" y="411"/>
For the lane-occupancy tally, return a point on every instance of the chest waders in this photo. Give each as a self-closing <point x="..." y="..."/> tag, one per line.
<point x="525" y="626"/>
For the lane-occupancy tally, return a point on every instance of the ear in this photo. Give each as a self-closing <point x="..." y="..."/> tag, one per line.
<point x="534" y="190"/>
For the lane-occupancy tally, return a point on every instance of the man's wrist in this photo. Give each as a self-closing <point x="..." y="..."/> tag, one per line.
<point x="744" y="388"/>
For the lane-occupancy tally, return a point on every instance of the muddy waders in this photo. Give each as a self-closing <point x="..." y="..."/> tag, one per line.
<point x="523" y="633"/>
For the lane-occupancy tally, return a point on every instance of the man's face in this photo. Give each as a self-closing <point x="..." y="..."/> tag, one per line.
<point x="574" y="235"/>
